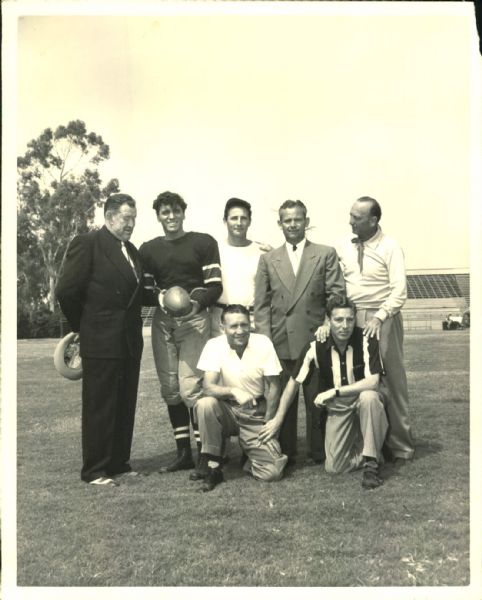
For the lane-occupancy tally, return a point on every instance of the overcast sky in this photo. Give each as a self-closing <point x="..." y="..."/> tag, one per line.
<point x="266" y="107"/>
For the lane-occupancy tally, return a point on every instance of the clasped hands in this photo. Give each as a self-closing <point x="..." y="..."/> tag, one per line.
<point x="242" y="397"/>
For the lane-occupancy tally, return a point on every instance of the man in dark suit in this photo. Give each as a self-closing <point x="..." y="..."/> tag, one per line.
<point x="293" y="284"/>
<point x="99" y="291"/>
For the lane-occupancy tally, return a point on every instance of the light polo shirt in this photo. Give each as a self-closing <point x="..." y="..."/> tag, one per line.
<point x="239" y="265"/>
<point x="259" y="360"/>
<point x="295" y="255"/>
<point x="382" y="285"/>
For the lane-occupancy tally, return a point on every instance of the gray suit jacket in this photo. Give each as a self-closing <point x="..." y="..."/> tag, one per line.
<point x="289" y="309"/>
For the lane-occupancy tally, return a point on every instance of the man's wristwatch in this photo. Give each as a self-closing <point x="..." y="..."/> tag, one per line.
<point x="337" y="391"/>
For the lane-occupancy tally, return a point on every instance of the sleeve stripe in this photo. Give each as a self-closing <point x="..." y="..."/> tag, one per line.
<point x="212" y="266"/>
<point x="305" y="367"/>
<point x="366" y="356"/>
<point x="211" y="279"/>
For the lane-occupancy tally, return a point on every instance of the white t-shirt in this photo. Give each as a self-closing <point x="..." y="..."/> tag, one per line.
<point x="259" y="360"/>
<point x="238" y="267"/>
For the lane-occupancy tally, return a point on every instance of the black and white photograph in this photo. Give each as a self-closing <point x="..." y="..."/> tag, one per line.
<point x="247" y="242"/>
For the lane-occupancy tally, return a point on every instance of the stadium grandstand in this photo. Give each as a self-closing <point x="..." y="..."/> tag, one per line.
<point x="433" y="294"/>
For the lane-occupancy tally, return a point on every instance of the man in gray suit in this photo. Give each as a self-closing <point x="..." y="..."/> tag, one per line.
<point x="293" y="284"/>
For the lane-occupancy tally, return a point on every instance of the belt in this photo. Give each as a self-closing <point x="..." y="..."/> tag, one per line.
<point x="221" y="305"/>
<point x="253" y="402"/>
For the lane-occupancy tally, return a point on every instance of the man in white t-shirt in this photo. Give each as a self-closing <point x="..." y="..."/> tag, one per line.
<point x="239" y="260"/>
<point x="242" y="387"/>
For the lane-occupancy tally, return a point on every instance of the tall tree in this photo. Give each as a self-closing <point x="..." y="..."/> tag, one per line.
<point x="59" y="189"/>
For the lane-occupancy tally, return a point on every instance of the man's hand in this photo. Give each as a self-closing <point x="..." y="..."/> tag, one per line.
<point x="269" y="431"/>
<point x="322" y="333"/>
<point x="160" y="298"/>
<point x="373" y="327"/>
<point x="264" y="247"/>
<point x="241" y="396"/>
<point x="195" y="308"/>
<point x="323" y="398"/>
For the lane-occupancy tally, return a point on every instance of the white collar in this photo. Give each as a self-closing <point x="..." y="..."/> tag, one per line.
<point x="300" y="246"/>
<point x="373" y="241"/>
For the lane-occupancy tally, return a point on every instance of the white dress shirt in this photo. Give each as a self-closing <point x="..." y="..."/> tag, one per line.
<point x="295" y="255"/>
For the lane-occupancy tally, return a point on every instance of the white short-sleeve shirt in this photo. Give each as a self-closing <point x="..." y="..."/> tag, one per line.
<point x="259" y="360"/>
<point x="238" y="267"/>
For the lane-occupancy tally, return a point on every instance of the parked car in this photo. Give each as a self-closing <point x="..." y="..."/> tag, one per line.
<point x="457" y="321"/>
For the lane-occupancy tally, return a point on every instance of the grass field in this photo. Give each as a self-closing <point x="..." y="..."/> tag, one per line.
<point x="310" y="529"/>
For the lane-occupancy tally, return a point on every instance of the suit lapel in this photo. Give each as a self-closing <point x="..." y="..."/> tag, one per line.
<point x="282" y="265"/>
<point x="113" y="252"/>
<point x="132" y="250"/>
<point x="137" y="265"/>
<point x="308" y="262"/>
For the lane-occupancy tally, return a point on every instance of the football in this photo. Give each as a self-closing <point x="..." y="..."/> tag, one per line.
<point x="177" y="301"/>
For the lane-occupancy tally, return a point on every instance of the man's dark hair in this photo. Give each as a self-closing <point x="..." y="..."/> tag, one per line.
<point x="231" y="309"/>
<point x="293" y="204"/>
<point x="375" y="208"/>
<point x="115" y="201"/>
<point x="339" y="302"/>
<point x="236" y="203"/>
<point x="169" y="199"/>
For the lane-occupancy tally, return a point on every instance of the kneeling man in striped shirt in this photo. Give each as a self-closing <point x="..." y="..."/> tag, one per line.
<point x="242" y="388"/>
<point x="350" y="368"/>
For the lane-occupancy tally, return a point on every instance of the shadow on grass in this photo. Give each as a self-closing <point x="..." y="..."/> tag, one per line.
<point x="152" y="464"/>
<point x="425" y="446"/>
<point x="423" y="449"/>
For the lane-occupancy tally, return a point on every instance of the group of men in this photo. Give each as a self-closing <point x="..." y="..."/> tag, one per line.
<point x="262" y="322"/>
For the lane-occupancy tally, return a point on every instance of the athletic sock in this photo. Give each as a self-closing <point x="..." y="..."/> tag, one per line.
<point x="179" y="417"/>
<point x="195" y="428"/>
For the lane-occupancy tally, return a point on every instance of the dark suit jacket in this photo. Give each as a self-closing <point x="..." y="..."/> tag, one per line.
<point x="100" y="296"/>
<point x="289" y="309"/>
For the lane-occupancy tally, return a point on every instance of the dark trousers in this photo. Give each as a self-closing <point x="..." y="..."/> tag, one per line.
<point x="109" y="396"/>
<point x="315" y="418"/>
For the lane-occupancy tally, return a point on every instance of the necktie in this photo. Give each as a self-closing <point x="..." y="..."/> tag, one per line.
<point x="360" y="248"/>
<point x="129" y="259"/>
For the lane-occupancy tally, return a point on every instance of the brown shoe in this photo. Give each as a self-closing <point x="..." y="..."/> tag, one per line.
<point x="371" y="478"/>
<point x="182" y="462"/>
<point x="213" y="478"/>
<point x="201" y="470"/>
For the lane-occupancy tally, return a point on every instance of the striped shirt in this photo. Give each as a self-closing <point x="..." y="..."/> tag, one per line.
<point x="360" y="359"/>
<point x="191" y="262"/>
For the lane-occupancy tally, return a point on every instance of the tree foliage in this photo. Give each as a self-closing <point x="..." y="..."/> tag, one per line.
<point x="59" y="188"/>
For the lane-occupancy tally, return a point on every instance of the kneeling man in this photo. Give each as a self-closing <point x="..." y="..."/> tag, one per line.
<point x="350" y="367"/>
<point x="238" y="367"/>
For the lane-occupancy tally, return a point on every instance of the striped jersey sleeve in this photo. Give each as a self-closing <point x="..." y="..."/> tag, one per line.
<point x="211" y="262"/>
<point x="211" y="273"/>
<point x="305" y="363"/>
